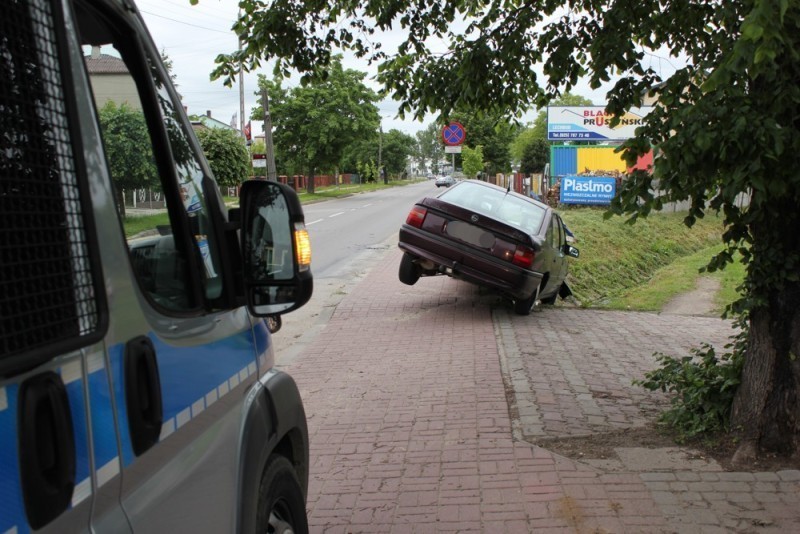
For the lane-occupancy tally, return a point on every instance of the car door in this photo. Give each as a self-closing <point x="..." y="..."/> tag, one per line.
<point x="554" y="256"/>
<point x="559" y="272"/>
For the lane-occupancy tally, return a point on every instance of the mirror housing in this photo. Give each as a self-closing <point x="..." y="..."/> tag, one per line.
<point x="276" y="251"/>
<point x="569" y="250"/>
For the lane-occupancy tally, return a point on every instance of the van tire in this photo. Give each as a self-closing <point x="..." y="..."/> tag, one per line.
<point x="281" y="504"/>
<point x="409" y="272"/>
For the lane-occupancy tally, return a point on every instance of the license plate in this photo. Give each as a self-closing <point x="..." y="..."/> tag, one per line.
<point x="470" y="234"/>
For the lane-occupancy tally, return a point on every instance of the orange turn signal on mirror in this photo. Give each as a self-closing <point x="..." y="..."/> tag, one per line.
<point x="302" y="244"/>
<point x="416" y="216"/>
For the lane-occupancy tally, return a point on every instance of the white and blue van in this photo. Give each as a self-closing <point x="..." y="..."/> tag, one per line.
<point x="137" y="388"/>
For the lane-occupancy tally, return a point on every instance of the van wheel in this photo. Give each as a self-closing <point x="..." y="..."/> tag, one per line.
<point x="408" y="273"/>
<point x="274" y="323"/>
<point x="281" y="504"/>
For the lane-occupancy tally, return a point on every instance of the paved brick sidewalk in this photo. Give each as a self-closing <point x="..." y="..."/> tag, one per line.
<point x="410" y="429"/>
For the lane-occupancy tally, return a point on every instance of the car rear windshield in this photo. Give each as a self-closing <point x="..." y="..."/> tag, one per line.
<point x="499" y="205"/>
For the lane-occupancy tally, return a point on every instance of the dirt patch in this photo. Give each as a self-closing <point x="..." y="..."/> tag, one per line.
<point x="601" y="447"/>
<point x="699" y="301"/>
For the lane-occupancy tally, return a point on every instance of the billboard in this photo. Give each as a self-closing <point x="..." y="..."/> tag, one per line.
<point x="587" y="190"/>
<point x="591" y="123"/>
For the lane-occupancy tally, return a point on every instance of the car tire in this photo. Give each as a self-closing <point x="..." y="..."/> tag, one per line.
<point x="281" y="504"/>
<point x="551" y="299"/>
<point x="524" y="306"/>
<point x="409" y="272"/>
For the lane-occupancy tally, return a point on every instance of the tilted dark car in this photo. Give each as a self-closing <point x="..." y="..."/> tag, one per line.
<point x="489" y="236"/>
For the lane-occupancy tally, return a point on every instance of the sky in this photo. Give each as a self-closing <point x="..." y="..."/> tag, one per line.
<point x="192" y="37"/>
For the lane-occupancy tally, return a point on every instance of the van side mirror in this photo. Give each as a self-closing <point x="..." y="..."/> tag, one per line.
<point x="275" y="248"/>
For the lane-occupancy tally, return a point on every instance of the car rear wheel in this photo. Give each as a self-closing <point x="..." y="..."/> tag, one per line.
<point x="524" y="306"/>
<point x="409" y="271"/>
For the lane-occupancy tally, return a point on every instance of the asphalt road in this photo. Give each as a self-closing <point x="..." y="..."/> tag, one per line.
<point x="342" y="229"/>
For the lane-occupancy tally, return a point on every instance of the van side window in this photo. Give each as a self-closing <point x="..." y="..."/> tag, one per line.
<point x="156" y="175"/>
<point x="50" y="278"/>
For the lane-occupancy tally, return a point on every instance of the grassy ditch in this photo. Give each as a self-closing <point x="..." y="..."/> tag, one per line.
<point x="642" y="266"/>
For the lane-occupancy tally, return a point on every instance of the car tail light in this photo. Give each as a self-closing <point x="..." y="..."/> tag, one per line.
<point x="523" y="257"/>
<point x="416" y="216"/>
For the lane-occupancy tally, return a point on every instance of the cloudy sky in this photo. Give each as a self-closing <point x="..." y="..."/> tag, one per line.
<point x="192" y="36"/>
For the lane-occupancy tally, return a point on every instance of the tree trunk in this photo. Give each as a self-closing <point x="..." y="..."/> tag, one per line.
<point x="766" y="409"/>
<point x="310" y="183"/>
<point x="121" y="201"/>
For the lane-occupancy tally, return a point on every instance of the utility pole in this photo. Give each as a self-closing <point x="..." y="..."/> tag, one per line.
<point x="380" y="151"/>
<point x="241" y="88"/>
<point x="269" y="150"/>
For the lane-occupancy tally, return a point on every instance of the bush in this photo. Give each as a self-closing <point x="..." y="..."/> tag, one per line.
<point x="704" y="386"/>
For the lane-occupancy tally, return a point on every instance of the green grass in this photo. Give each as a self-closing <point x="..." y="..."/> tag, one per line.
<point x="641" y="265"/>
<point x="137" y="225"/>
<point x="681" y="276"/>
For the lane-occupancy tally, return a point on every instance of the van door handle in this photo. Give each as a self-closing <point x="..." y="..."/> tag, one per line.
<point x="142" y="394"/>
<point x="46" y="448"/>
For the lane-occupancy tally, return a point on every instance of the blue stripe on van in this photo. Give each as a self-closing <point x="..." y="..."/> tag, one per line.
<point x="77" y="404"/>
<point x="192" y="378"/>
<point x="103" y="429"/>
<point x="12" y="510"/>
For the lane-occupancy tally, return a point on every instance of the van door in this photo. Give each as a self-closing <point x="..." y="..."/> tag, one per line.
<point x="53" y="306"/>
<point x="181" y="358"/>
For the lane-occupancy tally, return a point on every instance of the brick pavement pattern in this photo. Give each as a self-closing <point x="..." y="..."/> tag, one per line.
<point x="410" y="430"/>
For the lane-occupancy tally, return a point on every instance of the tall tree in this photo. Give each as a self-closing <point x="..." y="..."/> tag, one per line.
<point x="315" y="122"/>
<point x="397" y="148"/>
<point x="226" y="153"/>
<point x="128" y="150"/>
<point x="472" y="161"/>
<point x="535" y="156"/>
<point x="430" y="146"/>
<point x="725" y="123"/>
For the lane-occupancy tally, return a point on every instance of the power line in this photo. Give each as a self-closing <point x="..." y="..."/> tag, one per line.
<point x="229" y="32"/>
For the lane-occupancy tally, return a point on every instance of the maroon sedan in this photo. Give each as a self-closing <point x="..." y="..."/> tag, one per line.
<point x="491" y="237"/>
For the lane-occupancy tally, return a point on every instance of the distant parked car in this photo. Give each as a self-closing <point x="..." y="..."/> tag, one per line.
<point x="445" y="181"/>
<point x="491" y="237"/>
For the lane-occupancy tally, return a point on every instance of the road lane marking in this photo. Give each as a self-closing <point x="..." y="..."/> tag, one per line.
<point x="335" y="215"/>
<point x="313" y="222"/>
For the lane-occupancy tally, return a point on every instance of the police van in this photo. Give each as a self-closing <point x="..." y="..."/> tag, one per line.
<point x="137" y="388"/>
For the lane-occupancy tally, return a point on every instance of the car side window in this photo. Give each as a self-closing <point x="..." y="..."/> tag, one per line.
<point x="146" y="148"/>
<point x="559" y="235"/>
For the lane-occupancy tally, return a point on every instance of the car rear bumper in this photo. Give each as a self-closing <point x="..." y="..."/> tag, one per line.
<point x="464" y="262"/>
